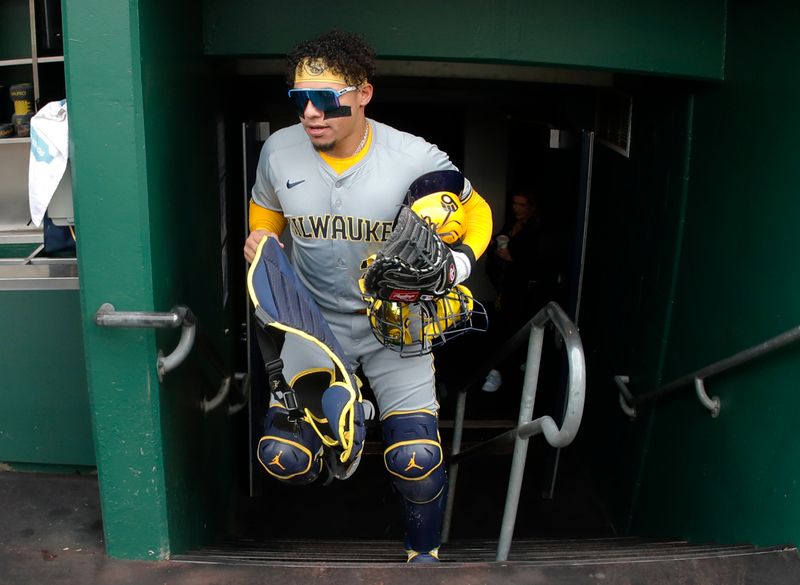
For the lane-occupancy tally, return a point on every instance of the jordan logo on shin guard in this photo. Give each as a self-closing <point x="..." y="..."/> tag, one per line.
<point x="412" y="463"/>
<point x="277" y="460"/>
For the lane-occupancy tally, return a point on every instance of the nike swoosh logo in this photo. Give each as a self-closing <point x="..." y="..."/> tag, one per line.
<point x="289" y="184"/>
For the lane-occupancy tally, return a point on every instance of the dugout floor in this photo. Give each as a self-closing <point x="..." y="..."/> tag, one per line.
<point x="51" y="532"/>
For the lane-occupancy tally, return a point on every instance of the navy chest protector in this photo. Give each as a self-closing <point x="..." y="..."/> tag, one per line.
<point x="331" y="402"/>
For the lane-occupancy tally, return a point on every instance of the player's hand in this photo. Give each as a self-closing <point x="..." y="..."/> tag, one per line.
<point x="254" y="239"/>
<point x="503" y="254"/>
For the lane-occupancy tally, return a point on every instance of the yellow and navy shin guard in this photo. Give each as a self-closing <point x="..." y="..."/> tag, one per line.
<point x="284" y="306"/>
<point x="415" y="461"/>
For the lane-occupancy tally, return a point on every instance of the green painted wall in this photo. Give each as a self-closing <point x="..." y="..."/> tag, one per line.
<point x="16" y="250"/>
<point x="634" y="236"/>
<point x="148" y="238"/>
<point x="652" y="36"/>
<point x="736" y="478"/>
<point x="44" y="406"/>
<point x="15" y="42"/>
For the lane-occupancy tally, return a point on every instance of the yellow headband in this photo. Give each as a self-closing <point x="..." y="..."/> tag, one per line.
<point x="317" y="70"/>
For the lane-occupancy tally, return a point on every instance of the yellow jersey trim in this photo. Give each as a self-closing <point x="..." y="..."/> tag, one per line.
<point x="340" y="165"/>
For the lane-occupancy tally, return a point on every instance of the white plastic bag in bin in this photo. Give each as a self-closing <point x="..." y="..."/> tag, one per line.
<point x="49" y="144"/>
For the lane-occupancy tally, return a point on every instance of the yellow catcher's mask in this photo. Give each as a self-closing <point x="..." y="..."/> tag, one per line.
<point x="414" y="329"/>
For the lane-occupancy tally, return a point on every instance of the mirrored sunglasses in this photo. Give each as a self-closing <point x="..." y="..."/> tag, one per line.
<point x="325" y="100"/>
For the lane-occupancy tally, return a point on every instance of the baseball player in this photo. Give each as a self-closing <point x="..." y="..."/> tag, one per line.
<point x="336" y="180"/>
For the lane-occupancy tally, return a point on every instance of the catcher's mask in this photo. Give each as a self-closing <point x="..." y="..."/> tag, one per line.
<point x="415" y="329"/>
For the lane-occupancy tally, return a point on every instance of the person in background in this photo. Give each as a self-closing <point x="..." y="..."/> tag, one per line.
<point x="521" y="265"/>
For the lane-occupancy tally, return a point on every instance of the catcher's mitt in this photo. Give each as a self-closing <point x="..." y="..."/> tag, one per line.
<point x="414" y="263"/>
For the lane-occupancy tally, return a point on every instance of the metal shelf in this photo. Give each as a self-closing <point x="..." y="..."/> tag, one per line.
<point x="15" y="62"/>
<point x="16" y="140"/>
<point x="29" y="61"/>
<point x="21" y="236"/>
<point x="50" y="276"/>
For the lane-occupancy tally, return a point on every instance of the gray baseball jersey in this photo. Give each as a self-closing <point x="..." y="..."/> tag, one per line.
<point x="336" y="222"/>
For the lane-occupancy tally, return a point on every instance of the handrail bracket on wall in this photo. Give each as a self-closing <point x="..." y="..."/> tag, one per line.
<point x="712" y="403"/>
<point x="180" y="316"/>
<point x="629" y="403"/>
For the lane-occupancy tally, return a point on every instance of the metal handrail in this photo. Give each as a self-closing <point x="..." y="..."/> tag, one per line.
<point x="180" y="316"/>
<point x="527" y="428"/>
<point x="629" y="402"/>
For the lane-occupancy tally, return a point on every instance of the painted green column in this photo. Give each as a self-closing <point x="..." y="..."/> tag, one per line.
<point x="111" y="209"/>
<point x="148" y="225"/>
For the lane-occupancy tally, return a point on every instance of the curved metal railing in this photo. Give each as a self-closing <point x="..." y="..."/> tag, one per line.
<point x="527" y="428"/>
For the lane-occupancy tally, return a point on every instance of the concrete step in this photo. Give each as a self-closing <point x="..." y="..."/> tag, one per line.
<point x="543" y="552"/>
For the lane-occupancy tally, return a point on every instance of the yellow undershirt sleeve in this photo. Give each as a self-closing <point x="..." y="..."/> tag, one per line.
<point x="479" y="224"/>
<point x="262" y="218"/>
<point x="477" y="236"/>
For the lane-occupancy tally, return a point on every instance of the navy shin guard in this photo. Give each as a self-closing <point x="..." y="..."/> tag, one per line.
<point x="414" y="458"/>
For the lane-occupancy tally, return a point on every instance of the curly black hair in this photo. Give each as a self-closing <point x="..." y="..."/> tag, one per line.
<point x="345" y="52"/>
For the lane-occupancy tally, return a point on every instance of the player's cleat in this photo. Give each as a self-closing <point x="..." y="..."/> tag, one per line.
<point x="423" y="557"/>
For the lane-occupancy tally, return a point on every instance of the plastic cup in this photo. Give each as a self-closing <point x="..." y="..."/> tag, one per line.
<point x="502" y="242"/>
